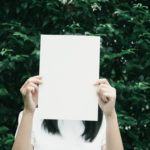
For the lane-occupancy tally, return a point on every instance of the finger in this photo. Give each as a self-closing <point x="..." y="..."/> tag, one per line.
<point x="35" y="86"/>
<point x="29" y="90"/>
<point x="38" y="76"/>
<point x="96" y="82"/>
<point x="104" y="92"/>
<point x="104" y="81"/>
<point x="106" y="88"/>
<point x="102" y="102"/>
<point x="34" y="80"/>
<point x="109" y="96"/>
<point x="101" y="81"/>
<point x="104" y="99"/>
<point x="100" y="94"/>
<point x="28" y="93"/>
<point x="102" y="88"/>
<point x="30" y="87"/>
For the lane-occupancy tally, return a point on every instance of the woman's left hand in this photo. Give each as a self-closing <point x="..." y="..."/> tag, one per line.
<point x="107" y="96"/>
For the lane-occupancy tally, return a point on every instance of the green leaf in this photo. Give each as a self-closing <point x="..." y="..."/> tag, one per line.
<point x="3" y="130"/>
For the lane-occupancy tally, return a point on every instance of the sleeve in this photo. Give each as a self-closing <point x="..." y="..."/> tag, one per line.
<point x="19" y="121"/>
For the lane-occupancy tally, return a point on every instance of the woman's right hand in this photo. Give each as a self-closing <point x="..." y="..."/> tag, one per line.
<point x="29" y="91"/>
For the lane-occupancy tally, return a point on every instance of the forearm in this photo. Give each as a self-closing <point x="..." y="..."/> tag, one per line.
<point x="23" y="137"/>
<point x="113" y="137"/>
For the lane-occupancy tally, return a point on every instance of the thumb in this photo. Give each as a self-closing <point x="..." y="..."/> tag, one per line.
<point x="29" y="93"/>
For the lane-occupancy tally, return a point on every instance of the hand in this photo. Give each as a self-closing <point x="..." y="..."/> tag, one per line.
<point x="29" y="91"/>
<point x="107" y="96"/>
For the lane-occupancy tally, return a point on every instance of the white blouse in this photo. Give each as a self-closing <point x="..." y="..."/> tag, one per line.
<point x="70" y="138"/>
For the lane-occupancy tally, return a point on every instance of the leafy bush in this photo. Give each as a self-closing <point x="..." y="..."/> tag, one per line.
<point x="124" y="29"/>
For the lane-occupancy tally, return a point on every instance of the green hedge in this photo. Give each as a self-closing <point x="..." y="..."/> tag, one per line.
<point x="124" y="27"/>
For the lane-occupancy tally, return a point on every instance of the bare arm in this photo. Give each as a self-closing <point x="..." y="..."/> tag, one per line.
<point x="23" y="137"/>
<point x="113" y="137"/>
<point x="29" y="91"/>
<point x="107" y="100"/>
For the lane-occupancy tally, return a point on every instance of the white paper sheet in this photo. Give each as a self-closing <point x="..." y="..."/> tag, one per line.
<point x="69" y="66"/>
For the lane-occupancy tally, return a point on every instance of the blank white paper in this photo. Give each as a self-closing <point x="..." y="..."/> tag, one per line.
<point x="69" y="65"/>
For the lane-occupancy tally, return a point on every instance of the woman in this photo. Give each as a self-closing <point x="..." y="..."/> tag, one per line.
<point x="36" y="134"/>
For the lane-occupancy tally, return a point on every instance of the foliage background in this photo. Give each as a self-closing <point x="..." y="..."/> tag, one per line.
<point x="125" y="55"/>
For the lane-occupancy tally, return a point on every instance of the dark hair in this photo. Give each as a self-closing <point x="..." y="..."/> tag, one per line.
<point x="90" y="131"/>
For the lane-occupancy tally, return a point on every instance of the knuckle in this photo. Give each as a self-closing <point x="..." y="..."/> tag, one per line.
<point x="21" y="90"/>
<point x="114" y="89"/>
<point x="29" y="80"/>
<point x="28" y="89"/>
<point x="105" y="79"/>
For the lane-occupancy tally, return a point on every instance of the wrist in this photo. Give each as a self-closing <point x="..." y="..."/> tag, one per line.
<point x="28" y="112"/>
<point x="111" y="115"/>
